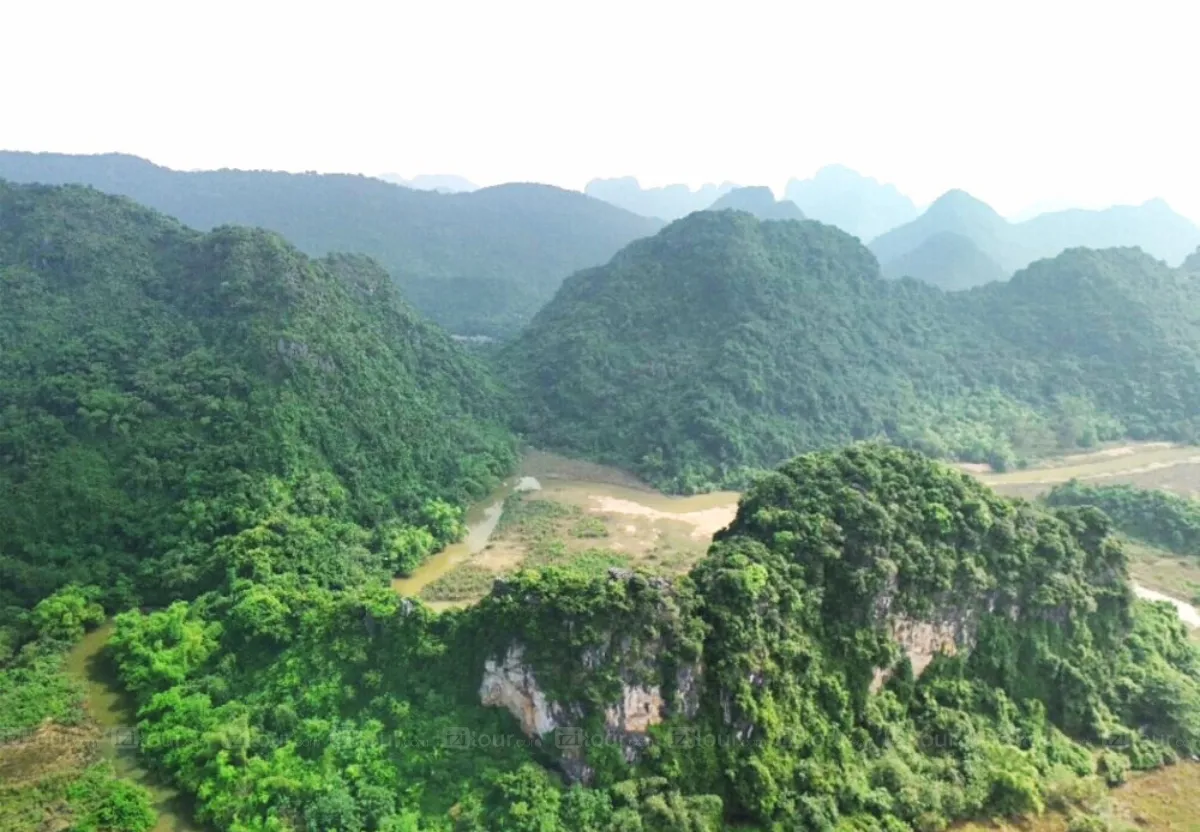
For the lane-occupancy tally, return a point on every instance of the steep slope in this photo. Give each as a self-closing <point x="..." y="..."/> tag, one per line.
<point x="724" y="344"/>
<point x="854" y="203"/>
<point x="760" y="202"/>
<point x="946" y="260"/>
<point x="165" y="390"/>
<point x="478" y="263"/>
<point x="669" y="202"/>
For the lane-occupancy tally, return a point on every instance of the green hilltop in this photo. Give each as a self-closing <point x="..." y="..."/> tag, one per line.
<point x="724" y="345"/>
<point x="164" y="389"/>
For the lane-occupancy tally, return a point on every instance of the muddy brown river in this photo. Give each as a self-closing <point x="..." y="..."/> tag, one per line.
<point x="113" y="710"/>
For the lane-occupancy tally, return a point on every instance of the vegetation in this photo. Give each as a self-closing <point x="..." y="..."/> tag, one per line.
<point x="49" y="773"/>
<point x="1157" y="517"/>
<point x="176" y="405"/>
<point x="237" y="444"/>
<point x="283" y="704"/>
<point x="94" y="800"/>
<point x="478" y="263"/>
<point x="723" y="345"/>
<point x="33" y="688"/>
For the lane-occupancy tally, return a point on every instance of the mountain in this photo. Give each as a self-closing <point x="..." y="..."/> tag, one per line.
<point x="479" y="263"/>
<point x="166" y="391"/>
<point x="667" y="203"/>
<point x="862" y="206"/>
<point x="948" y="260"/>
<point x="723" y="345"/>
<point x="760" y="202"/>
<point x="442" y="183"/>
<point x="959" y="213"/>
<point x="1152" y="226"/>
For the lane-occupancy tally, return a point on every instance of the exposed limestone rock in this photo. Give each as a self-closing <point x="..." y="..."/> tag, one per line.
<point x="922" y="640"/>
<point x="511" y="684"/>
<point x="687" y="690"/>
<point x="639" y="708"/>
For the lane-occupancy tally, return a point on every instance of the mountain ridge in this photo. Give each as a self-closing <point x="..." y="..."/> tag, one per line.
<point x="1152" y="226"/>
<point x="478" y="263"/>
<point x="752" y="341"/>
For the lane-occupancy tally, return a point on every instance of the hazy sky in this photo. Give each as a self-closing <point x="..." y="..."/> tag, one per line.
<point x="1087" y="103"/>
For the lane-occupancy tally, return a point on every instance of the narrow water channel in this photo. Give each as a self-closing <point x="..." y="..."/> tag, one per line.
<point x="113" y="710"/>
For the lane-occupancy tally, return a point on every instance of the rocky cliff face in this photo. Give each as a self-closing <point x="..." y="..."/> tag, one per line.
<point x="625" y="668"/>
<point x="512" y="684"/>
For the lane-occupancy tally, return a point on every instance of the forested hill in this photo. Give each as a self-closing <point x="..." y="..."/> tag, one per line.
<point x="167" y="393"/>
<point x="724" y="344"/>
<point x="478" y="263"/>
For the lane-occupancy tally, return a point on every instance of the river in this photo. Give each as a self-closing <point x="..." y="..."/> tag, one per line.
<point x="604" y="491"/>
<point x="113" y="710"/>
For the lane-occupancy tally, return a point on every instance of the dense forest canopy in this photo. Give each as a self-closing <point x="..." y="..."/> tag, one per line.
<point x="725" y="344"/>
<point x="796" y="702"/>
<point x="171" y="397"/>
<point x="923" y="248"/>
<point x="1157" y="517"/>
<point x="479" y="263"/>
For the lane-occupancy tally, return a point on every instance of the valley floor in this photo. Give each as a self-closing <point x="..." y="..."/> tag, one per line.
<point x="1167" y="800"/>
<point x="594" y="517"/>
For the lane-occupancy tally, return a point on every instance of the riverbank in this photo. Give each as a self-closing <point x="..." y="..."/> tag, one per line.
<point x="111" y="711"/>
<point x="592" y="516"/>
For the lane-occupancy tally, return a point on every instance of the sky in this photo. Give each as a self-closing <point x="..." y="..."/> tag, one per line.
<point x="1022" y="104"/>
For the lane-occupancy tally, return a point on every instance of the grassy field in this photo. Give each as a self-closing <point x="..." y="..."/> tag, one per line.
<point x="1167" y="572"/>
<point x="587" y="526"/>
<point x="1146" y="465"/>
<point x="1167" y="799"/>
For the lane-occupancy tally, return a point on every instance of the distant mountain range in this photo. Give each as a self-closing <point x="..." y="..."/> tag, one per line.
<point x="961" y="242"/>
<point x="854" y="203"/>
<point x="445" y="183"/>
<point x="666" y="203"/>
<point x="836" y="195"/>
<point x="760" y="202"/>
<point x="478" y="263"/>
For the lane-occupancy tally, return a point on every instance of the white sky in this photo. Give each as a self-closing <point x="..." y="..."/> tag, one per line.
<point x="1087" y="103"/>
